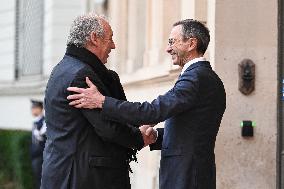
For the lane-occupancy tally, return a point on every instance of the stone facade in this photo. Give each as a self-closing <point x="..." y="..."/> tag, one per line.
<point x="239" y="29"/>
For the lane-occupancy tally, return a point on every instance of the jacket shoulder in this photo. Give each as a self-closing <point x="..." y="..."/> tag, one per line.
<point x="76" y="65"/>
<point x="77" y="68"/>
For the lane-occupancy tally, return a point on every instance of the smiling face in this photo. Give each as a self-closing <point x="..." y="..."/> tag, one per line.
<point x="179" y="47"/>
<point x="101" y="46"/>
<point x="105" y="44"/>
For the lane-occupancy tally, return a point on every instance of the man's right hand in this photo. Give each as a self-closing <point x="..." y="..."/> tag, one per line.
<point x="149" y="134"/>
<point x="86" y="98"/>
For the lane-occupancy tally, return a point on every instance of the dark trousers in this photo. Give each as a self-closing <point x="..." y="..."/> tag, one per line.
<point x="37" y="168"/>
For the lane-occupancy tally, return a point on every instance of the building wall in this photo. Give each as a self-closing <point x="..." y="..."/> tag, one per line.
<point x="241" y="163"/>
<point x="250" y="33"/>
<point x="16" y="93"/>
<point x="239" y="29"/>
<point x="7" y="40"/>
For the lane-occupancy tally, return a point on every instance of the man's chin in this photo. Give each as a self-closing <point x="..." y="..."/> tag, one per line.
<point x="175" y="63"/>
<point x="104" y="61"/>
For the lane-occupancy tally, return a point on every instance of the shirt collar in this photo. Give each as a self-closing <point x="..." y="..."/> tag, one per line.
<point x="191" y="62"/>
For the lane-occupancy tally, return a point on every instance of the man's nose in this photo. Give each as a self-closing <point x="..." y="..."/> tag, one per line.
<point x="113" y="45"/>
<point x="169" y="49"/>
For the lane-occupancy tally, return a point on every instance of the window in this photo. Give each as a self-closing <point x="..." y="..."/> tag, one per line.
<point x="29" y="38"/>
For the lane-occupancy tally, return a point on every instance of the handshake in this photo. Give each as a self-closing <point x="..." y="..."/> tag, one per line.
<point x="149" y="134"/>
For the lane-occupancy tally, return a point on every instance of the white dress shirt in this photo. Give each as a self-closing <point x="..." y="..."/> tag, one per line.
<point x="39" y="134"/>
<point x="191" y="62"/>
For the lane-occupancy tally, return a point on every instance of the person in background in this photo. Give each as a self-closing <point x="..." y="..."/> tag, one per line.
<point x="38" y="140"/>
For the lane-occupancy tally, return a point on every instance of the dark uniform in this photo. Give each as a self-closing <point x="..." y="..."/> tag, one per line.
<point x="38" y="143"/>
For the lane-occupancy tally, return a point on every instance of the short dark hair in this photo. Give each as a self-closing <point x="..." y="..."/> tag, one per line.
<point x="36" y="104"/>
<point x="196" y="29"/>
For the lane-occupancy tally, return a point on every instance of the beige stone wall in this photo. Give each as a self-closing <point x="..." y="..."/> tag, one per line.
<point x="247" y="29"/>
<point x="146" y="172"/>
<point x="239" y="29"/>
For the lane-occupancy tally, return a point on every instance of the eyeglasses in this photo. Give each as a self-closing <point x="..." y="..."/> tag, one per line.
<point x="172" y="41"/>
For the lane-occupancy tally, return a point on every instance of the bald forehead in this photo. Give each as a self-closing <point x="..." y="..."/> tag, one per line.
<point x="176" y="31"/>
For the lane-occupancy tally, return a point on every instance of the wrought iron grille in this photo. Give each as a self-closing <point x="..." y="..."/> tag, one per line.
<point x="29" y="37"/>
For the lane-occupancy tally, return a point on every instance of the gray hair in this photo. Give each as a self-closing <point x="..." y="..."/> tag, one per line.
<point x="82" y="27"/>
<point x="196" y="29"/>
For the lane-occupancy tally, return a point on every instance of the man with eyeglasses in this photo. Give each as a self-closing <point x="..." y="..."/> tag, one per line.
<point x="192" y="111"/>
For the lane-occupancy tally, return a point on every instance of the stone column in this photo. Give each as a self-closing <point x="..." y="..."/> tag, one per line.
<point x="195" y="9"/>
<point x="170" y="16"/>
<point x="211" y="26"/>
<point x="136" y="34"/>
<point x="119" y="21"/>
<point x="153" y="32"/>
<point x="160" y="17"/>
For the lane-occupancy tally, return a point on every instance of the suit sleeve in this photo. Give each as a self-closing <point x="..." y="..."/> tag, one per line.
<point x="108" y="130"/>
<point x="183" y="96"/>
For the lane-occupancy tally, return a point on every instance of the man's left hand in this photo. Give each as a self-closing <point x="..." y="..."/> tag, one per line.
<point x="86" y="98"/>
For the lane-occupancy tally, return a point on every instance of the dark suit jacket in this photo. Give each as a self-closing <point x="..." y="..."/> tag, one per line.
<point x="83" y="151"/>
<point x="193" y="110"/>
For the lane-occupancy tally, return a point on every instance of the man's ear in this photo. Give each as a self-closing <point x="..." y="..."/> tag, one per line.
<point x="94" y="38"/>
<point x="192" y="44"/>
